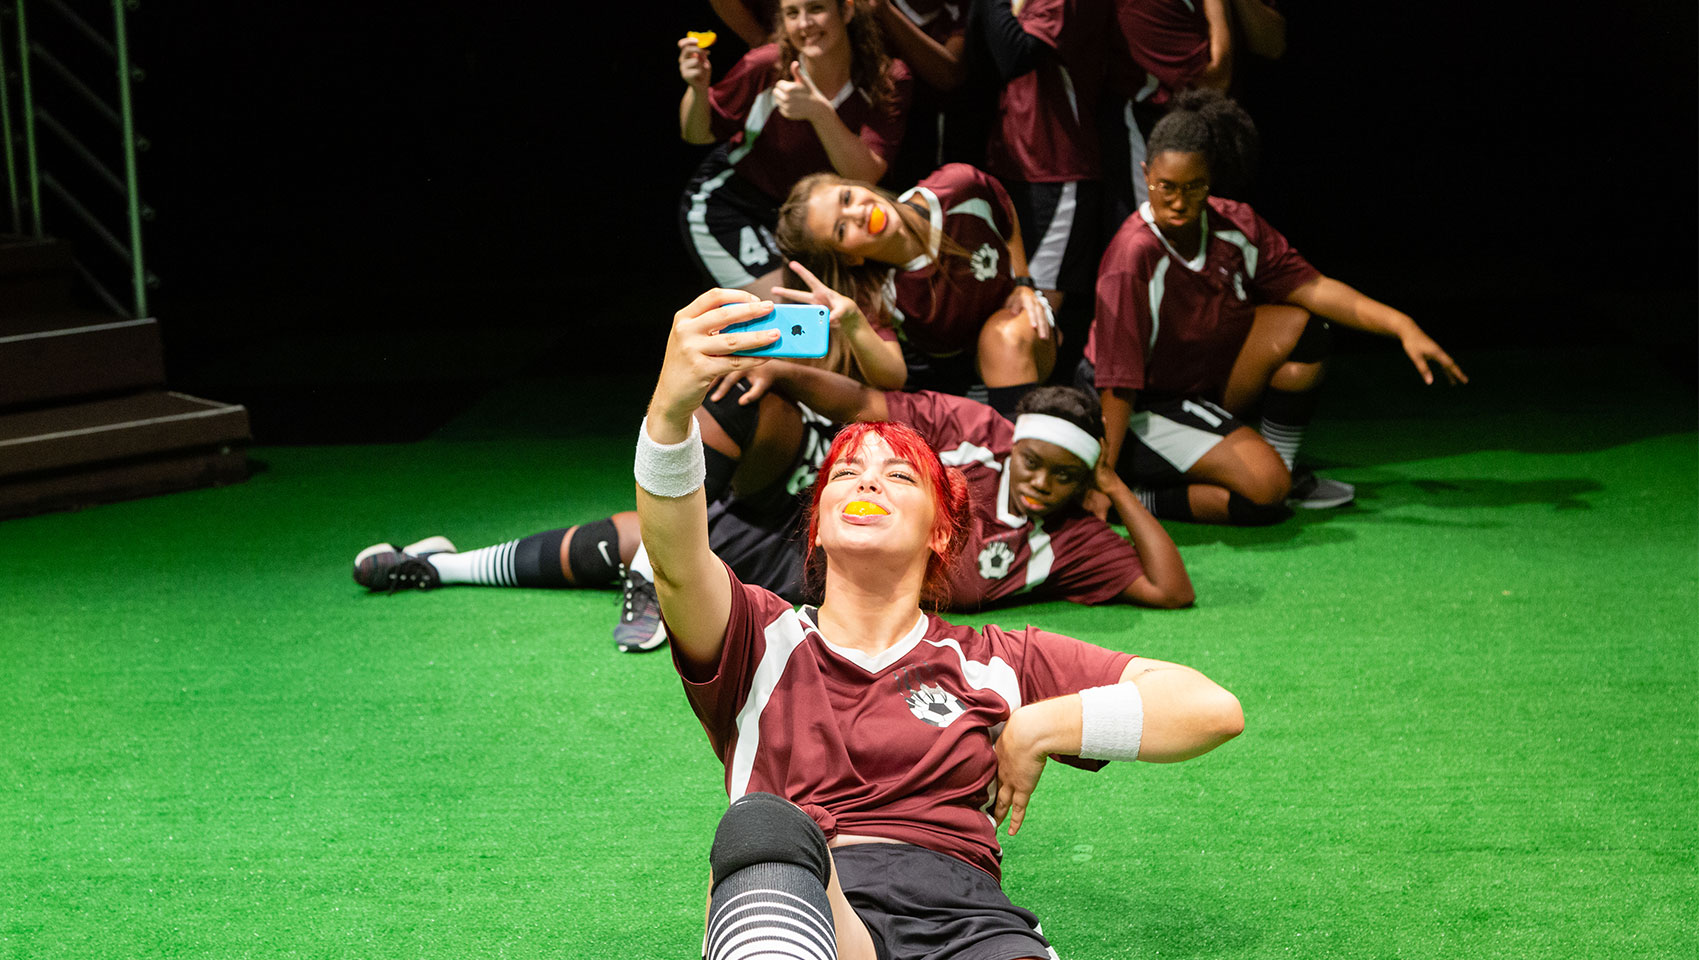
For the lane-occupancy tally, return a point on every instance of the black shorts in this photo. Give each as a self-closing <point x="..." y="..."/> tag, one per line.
<point x="956" y="374"/>
<point x="728" y="224"/>
<point x="761" y="535"/>
<point x="922" y="905"/>
<point x="1059" y="228"/>
<point x="1165" y="438"/>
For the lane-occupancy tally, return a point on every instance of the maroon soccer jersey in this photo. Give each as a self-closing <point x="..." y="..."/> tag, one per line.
<point x="1045" y="131"/>
<point x="1169" y="327"/>
<point x="772" y="152"/>
<point x="941" y="311"/>
<point x="898" y="745"/>
<point x="1072" y="555"/>
<point x="1167" y="42"/>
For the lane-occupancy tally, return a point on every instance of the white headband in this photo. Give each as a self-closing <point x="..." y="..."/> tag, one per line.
<point x="1043" y="426"/>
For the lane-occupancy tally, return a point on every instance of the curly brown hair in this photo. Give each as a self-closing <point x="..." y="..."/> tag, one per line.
<point x="870" y="67"/>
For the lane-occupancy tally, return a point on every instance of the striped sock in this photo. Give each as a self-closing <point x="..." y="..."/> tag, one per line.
<point x="1285" y="417"/>
<point x="489" y="566"/>
<point x="1285" y="438"/>
<point x="777" y="910"/>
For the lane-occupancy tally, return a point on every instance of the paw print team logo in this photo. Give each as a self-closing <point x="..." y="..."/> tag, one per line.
<point x="984" y="262"/>
<point x="929" y="702"/>
<point x="995" y="560"/>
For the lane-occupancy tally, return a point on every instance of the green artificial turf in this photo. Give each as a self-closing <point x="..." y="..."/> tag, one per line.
<point x="1470" y="701"/>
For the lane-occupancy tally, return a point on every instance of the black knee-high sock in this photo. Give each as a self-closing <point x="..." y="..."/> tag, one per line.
<point x="1167" y="503"/>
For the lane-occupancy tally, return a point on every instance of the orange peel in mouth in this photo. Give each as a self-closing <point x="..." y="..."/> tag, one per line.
<point x="862" y="508"/>
<point x="704" y="38"/>
<point x="876" y="221"/>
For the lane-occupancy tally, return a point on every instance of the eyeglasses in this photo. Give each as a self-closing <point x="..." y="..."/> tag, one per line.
<point x="1196" y="190"/>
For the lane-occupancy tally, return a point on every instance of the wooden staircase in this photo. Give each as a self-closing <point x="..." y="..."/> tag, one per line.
<point x="84" y="414"/>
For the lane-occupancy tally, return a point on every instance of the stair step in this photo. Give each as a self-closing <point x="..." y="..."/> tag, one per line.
<point x="74" y="488"/>
<point x="145" y="424"/>
<point x="72" y="354"/>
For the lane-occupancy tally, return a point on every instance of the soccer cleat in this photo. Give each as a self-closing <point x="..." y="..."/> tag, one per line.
<point x="1312" y="491"/>
<point x="382" y="567"/>
<point x="640" y="626"/>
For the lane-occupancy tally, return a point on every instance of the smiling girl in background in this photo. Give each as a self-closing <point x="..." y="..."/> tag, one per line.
<point x="823" y="96"/>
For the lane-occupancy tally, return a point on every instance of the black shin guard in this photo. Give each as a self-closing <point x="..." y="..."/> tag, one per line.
<point x="771" y="869"/>
<point x="594" y="554"/>
<point x="1314" y="344"/>
<point x="537" y="560"/>
<point x="1243" y="512"/>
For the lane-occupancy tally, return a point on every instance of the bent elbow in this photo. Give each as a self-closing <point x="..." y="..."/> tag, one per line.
<point x="1227" y="717"/>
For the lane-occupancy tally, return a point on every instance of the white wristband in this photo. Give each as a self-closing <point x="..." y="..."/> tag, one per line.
<point x="1112" y="719"/>
<point x="670" y="469"/>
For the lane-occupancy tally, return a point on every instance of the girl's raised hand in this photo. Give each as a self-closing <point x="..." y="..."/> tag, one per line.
<point x="841" y="308"/>
<point x="693" y="63"/>
<point x="699" y="354"/>
<point x="798" y="98"/>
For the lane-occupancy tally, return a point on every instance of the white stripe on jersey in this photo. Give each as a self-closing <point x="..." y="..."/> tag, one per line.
<point x="966" y="453"/>
<point x="760" y="110"/>
<point x="1039" y="558"/>
<point x="1068" y="90"/>
<point x="976" y="208"/>
<point x="1246" y="249"/>
<point x="1155" y="291"/>
<point x="935" y="224"/>
<point x="1136" y="144"/>
<point x="994" y="675"/>
<point x="726" y="269"/>
<point x="1044" y="262"/>
<point x="783" y="636"/>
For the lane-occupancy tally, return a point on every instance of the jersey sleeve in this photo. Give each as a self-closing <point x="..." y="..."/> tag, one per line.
<point x="947" y="422"/>
<point x="1093" y="563"/>
<point x="1280" y="268"/>
<point x="730" y="99"/>
<point x="883" y="132"/>
<point x="1122" y="325"/>
<point x="1052" y="665"/>
<point x="717" y="699"/>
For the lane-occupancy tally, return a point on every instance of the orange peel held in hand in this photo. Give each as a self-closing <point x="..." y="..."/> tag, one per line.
<point x="704" y="38"/>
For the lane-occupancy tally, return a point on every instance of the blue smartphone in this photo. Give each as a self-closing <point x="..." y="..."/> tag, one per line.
<point x="802" y="331"/>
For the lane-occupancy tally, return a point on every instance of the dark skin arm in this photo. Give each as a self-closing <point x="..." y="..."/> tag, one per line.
<point x="1117" y="403"/>
<point x="1165" y="582"/>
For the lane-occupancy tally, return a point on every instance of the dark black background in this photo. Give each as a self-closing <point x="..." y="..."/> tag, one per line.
<point x="355" y="200"/>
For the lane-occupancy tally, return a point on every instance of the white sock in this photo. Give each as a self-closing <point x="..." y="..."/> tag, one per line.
<point x="640" y="564"/>
<point x="488" y="566"/>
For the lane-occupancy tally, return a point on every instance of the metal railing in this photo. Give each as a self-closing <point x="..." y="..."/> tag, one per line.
<point x="88" y="177"/>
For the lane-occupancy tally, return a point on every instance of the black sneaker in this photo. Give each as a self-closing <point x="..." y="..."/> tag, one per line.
<point x="1312" y="491"/>
<point x="383" y="567"/>
<point x="640" y="628"/>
